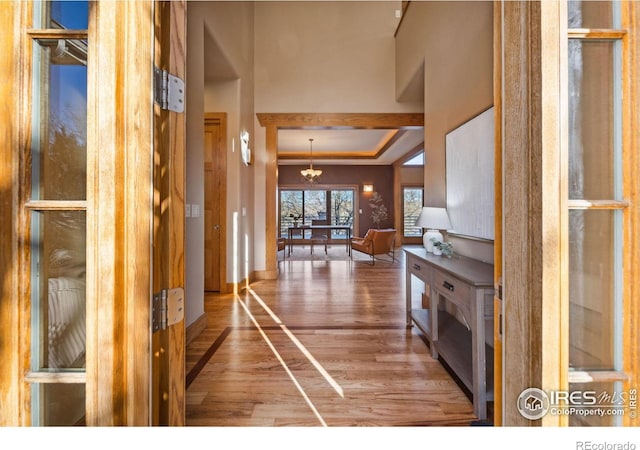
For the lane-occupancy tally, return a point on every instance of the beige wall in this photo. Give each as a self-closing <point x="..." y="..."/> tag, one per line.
<point x="327" y="57"/>
<point x="230" y="27"/>
<point x="452" y="44"/>
<point x="194" y="227"/>
<point x="219" y="34"/>
<point x="411" y="175"/>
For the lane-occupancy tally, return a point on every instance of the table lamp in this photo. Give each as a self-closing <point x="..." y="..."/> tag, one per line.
<point x="434" y="220"/>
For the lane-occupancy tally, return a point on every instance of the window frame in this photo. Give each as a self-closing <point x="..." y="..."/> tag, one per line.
<point x="328" y="188"/>
<point x="617" y="35"/>
<point x="37" y="377"/>
<point x="403" y="187"/>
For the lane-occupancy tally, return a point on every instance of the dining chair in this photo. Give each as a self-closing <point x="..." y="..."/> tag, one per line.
<point x="319" y="236"/>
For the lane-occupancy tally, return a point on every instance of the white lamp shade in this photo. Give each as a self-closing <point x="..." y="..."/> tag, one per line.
<point x="433" y="219"/>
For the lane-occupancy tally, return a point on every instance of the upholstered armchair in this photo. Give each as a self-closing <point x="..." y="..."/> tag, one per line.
<point x="376" y="242"/>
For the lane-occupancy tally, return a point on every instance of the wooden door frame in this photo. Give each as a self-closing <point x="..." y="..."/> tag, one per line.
<point x="497" y="243"/>
<point x="532" y="253"/>
<point x="168" y="367"/>
<point x="120" y="214"/>
<point x="532" y="239"/>
<point x="133" y="250"/>
<point x="631" y="164"/>
<point x="222" y="174"/>
<point x="15" y="149"/>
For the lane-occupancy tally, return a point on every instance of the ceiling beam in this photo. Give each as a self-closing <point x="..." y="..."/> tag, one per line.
<point x="364" y="121"/>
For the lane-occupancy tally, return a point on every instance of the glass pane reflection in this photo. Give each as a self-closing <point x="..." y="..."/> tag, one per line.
<point x="60" y="158"/>
<point x="592" y="287"/>
<point x="592" y="14"/>
<point x="591" y="120"/>
<point x="608" y="397"/>
<point x="60" y="341"/>
<point x="63" y="404"/>
<point x="70" y="15"/>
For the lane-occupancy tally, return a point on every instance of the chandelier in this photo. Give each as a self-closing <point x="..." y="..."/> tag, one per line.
<point x="311" y="174"/>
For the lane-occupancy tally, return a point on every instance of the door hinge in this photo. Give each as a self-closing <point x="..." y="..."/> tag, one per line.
<point x="498" y="295"/>
<point x="168" y="308"/>
<point x="168" y="90"/>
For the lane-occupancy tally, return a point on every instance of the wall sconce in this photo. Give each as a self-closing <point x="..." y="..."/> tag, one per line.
<point x="368" y="188"/>
<point x="245" y="151"/>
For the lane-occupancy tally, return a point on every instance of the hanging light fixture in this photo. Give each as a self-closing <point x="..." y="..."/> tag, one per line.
<point x="311" y="174"/>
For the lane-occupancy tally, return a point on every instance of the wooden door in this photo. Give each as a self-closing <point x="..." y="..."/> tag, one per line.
<point x="214" y="201"/>
<point x="168" y="345"/>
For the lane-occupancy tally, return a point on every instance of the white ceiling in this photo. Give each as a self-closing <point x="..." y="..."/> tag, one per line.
<point x="347" y="146"/>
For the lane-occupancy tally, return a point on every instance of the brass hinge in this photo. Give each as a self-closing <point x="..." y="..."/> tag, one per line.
<point x="168" y="90"/>
<point x="168" y="308"/>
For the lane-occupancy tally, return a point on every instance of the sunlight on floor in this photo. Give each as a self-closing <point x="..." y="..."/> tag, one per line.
<point x="334" y="384"/>
<point x="277" y="355"/>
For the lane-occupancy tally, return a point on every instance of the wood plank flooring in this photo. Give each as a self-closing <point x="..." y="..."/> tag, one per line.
<point x="325" y="344"/>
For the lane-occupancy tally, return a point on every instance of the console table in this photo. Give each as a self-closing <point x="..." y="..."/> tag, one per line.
<point x="464" y="337"/>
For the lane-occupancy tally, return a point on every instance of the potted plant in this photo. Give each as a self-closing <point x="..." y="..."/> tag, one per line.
<point x="442" y="248"/>
<point x="378" y="210"/>
<point x="295" y="218"/>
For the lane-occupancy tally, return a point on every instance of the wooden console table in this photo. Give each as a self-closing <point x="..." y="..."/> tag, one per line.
<point x="464" y="339"/>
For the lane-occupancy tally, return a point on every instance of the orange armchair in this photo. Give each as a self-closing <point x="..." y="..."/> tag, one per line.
<point x="376" y="242"/>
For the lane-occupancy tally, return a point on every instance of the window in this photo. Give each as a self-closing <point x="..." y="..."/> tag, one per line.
<point x="596" y="203"/>
<point x="417" y="160"/>
<point x="58" y="213"/>
<point x="299" y="206"/>
<point x="411" y="207"/>
<point x="342" y="202"/>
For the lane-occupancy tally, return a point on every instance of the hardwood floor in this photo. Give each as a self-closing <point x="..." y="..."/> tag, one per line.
<point x="325" y="344"/>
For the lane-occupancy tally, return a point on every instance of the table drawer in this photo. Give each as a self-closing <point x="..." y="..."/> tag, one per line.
<point x="421" y="270"/>
<point x="454" y="289"/>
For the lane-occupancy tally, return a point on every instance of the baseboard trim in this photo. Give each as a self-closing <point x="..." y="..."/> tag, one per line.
<point x="242" y="284"/>
<point x="197" y="327"/>
<point x="266" y="274"/>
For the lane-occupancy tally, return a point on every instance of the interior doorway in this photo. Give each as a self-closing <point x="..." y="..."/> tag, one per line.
<point x="215" y="193"/>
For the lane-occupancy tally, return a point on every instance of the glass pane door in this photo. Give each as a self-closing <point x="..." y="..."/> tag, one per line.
<point x="58" y="214"/>
<point x="596" y="203"/>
